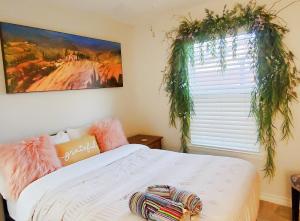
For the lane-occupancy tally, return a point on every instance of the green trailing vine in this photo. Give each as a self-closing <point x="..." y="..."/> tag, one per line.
<point x="276" y="72"/>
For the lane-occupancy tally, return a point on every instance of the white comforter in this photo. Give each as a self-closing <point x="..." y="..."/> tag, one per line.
<point x="98" y="189"/>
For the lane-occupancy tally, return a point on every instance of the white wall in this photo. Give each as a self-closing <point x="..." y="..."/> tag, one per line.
<point x="150" y="58"/>
<point x="23" y="115"/>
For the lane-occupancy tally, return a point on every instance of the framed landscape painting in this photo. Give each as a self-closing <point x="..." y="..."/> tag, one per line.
<point x="37" y="60"/>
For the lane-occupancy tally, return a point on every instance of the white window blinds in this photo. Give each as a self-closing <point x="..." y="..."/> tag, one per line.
<point x="222" y="99"/>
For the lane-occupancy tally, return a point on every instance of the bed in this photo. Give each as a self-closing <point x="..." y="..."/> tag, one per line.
<point x="99" y="188"/>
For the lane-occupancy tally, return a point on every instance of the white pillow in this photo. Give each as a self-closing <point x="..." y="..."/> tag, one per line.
<point x="75" y="133"/>
<point x="60" y="137"/>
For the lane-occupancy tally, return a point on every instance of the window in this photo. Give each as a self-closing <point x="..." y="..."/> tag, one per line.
<point x="222" y="99"/>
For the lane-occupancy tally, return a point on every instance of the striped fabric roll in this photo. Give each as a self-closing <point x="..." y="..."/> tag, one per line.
<point x="161" y="190"/>
<point x="190" y="201"/>
<point x="156" y="208"/>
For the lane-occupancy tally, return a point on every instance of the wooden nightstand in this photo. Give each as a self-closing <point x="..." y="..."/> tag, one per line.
<point x="153" y="142"/>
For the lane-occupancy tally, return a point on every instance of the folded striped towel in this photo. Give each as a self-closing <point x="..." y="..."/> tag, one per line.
<point x="155" y="208"/>
<point x="190" y="201"/>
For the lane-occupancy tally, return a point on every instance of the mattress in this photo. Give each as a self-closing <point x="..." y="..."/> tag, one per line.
<point x="99" y="188"/>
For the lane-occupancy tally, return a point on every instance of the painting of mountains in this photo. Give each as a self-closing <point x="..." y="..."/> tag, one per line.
<point x="38" y="60"/>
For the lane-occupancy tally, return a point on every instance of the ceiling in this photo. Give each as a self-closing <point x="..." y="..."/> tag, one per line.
<point x="126" y="11"/>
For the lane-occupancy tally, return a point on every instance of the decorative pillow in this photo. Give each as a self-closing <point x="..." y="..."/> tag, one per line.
<point x="76" y="133"/>
<point x="27" y="161"/>
<point x="60" y="137"/>
<point x="76" y="150"/>
<point x="109" y="134"/>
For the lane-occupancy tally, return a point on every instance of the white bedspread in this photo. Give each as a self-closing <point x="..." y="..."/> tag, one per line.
<point x="98" y="189"/>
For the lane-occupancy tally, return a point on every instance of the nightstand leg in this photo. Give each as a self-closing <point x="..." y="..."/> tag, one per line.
<point x="295" y="204"/>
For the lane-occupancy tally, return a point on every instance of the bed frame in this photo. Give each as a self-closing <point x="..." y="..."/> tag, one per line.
<point x="6" y="214"/>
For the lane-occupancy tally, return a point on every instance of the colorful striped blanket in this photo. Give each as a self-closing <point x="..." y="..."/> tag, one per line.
<point x="156" y="208"/>
<point x="164" y="203"/>
<point x="190" y="201"/>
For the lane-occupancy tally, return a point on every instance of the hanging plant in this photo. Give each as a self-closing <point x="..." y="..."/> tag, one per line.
<point x="276" y="72"/>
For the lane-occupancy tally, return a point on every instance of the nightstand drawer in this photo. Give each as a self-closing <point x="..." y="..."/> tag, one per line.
<point x="148" y="140"/>
<point x="155" y="145"/>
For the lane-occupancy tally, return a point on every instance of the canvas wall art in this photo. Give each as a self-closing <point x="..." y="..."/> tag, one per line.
<point x="37" y="60"/>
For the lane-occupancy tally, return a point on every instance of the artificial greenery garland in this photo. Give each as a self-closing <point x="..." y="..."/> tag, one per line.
<point x="276" y="72"/>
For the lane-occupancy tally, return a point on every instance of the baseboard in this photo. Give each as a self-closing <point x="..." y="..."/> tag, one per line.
<point x="284" y="201"/>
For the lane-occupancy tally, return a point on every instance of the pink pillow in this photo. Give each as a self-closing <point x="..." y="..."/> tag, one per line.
<point x="109" y="134"/>
<point x="27" y="161"/>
